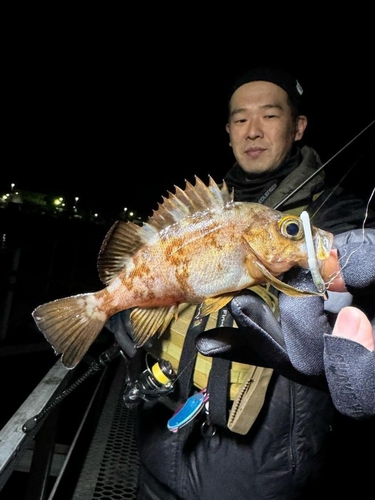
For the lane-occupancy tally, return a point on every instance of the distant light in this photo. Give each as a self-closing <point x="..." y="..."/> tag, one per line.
<point x="58" y="201"/>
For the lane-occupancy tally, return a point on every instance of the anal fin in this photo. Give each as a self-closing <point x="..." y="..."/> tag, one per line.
<point x="148" y="322"/>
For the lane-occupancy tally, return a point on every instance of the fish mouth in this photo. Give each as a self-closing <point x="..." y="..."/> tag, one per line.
<point x="323" y="242"/>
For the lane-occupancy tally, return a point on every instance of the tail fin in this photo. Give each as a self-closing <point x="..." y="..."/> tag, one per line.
<point x="70" y="325"/>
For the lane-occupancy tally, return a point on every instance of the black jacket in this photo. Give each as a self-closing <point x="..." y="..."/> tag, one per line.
<point x="283" y="454"/>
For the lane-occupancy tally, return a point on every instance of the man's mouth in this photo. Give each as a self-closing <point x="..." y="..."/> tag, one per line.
<point x="254" y="152"/>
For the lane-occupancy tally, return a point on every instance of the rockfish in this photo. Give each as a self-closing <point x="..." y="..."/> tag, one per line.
<point x="198" y="247"/>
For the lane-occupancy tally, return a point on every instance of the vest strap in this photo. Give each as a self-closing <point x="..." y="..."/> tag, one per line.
<point x="189" y="354"/>
<point x="219" y="379"/>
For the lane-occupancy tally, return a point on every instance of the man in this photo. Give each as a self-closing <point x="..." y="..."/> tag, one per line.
<point x="264" y="429"/>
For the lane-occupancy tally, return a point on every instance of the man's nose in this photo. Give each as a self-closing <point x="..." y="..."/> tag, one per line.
<point x="254" y="129"/>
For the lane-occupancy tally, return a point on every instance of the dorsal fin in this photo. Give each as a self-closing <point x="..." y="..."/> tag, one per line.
<point x="187" y="202"/>
<point x="125" y="238"/>
<point x="119" y="245"/>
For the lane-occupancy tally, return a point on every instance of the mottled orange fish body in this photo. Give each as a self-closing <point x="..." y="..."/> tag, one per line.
<point x="208" y="255"/>
<point x="198" y="247"/>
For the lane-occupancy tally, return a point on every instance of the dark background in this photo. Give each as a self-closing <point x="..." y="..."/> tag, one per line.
<point x="117" y="109"/>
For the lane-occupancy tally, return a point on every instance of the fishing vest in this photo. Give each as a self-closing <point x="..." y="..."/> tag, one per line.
<point x="244" y="385"/>
<point x="228" y="383"/>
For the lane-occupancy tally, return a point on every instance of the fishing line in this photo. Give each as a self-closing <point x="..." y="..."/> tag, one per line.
<point x="347" y="258"/>
<point x="339" y="182"/>
<point x="367" y="208"/>
<point x="192" y="360"/>
<point x="323" y="166"/>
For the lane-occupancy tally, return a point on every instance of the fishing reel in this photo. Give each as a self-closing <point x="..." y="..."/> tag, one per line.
<point x="153" y="382"/>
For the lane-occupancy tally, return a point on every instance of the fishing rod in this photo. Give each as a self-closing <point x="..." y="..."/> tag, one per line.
<point x="321" y="167"/>
<point x="104" y="359"/>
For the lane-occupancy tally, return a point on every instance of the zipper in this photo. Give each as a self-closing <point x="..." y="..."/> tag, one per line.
<point x="293" y="451"/>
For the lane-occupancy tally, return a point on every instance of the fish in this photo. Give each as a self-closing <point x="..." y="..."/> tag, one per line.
<point x="199" y="246"/>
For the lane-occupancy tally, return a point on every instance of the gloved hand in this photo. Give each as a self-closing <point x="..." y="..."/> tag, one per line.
<point x="303" y="340"/>
<point x="258" y="340"/>
<point x="307" y="321"/>
<point x="349" y="360"/>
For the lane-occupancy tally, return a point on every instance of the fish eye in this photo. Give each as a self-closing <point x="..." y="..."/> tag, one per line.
<point x="291" y="227"/>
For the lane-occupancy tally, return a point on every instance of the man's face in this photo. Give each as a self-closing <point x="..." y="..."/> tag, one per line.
<point x="261" y="127"/>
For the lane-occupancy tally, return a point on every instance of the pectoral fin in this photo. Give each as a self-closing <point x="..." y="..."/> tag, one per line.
<point x="213" y="304"/>
<point x="284" y="287"/>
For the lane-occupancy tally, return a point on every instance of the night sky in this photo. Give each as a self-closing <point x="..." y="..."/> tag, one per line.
<point x="88" y="116"/>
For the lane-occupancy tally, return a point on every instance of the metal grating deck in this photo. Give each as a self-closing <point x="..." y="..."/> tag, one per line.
<point x="110" y="469"/>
